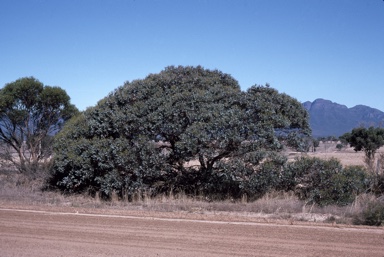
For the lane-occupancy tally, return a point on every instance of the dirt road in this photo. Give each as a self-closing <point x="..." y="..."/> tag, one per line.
<point x="47" y="233"/>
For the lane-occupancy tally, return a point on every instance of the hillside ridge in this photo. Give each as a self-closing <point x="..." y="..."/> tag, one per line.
<point x="328" y="118"/>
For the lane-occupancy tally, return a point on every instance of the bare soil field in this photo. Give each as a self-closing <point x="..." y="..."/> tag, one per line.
<point x="56" y="233"/>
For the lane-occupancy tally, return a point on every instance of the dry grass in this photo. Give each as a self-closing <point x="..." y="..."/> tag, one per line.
<point x="15" y="190"/>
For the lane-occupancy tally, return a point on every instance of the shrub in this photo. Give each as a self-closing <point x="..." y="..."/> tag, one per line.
<point x="266" y="178"/>
<point x="324" y="182"/>
<point x="372" y="215"/>
<point x="346" y="185"/>
<point x="379" y="187"/>
<point x="339" y="147"/>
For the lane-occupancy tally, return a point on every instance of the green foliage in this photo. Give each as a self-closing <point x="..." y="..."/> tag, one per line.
<point x="30" y="114"/>
<point x="367" y="140"/>
<point x="325" y="181"/>
<point x="377" y="183"/>
<point x="316" y="143"/>
<point x="339" y="147"/>
<point x="310" y="144"/>
<point x="372" y="215"/>
<point x="267" y="177"/>
<point x="185" y="129"/>
<point x="380" y="185"/>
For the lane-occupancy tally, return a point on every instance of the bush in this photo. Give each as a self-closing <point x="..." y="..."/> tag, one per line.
<point x="266" y="178"/>
<point x="347" y="184"/>
<point x="377" y="184"/>
<point x="372" y="215"/>
<point x="339" y="147"/>
<point x="324" y="182"/>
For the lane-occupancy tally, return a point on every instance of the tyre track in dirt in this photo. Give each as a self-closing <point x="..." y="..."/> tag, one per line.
<point x="46" y="233"/>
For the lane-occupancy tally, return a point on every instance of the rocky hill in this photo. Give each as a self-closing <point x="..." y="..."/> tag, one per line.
<point x="332" y="119"/>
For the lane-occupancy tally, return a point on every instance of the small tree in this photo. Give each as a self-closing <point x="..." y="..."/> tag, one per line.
<point x="339" y="146"/>
<point x="30" y="114"/>
<point x="367" y="140"/>
<point x="315" y="144"/>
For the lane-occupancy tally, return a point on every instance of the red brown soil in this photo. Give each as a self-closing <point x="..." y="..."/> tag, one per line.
<point x="71" y="232"/>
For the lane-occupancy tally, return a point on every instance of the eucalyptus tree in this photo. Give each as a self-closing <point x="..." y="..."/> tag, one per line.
<point x="368" y="140"/>
<point x="184" y="129"/>
<point x="30" y="114"/>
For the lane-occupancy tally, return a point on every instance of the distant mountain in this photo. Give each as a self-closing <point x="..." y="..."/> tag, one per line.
<point x="332" y="119"/>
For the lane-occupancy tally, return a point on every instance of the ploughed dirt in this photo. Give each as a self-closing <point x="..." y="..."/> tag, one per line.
<point x="76" y="232"/>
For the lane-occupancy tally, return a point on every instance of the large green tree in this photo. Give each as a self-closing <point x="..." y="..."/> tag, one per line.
<point x="186" y="128"/>
<point x="30" y="114"/>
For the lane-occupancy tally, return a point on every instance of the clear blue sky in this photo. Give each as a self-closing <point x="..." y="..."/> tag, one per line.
<point x="332" y="49"/>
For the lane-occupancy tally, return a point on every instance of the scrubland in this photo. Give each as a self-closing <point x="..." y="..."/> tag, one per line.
<point x="17" y="191"/>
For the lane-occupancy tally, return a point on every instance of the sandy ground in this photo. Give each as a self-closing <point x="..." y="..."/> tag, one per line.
<point x="67" y="232"/>
<point x="346" y="156"/>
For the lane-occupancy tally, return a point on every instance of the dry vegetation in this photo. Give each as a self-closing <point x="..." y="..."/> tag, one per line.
<point x="327" y="150"/>
<point x="16" y="191"/>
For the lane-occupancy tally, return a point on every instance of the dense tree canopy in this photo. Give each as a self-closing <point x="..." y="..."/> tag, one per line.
<point x="30" y="113"/>
<point x="185" y="129"/>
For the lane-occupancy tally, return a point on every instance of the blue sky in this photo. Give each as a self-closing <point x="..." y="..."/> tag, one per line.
<point x="331" y="49"/>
